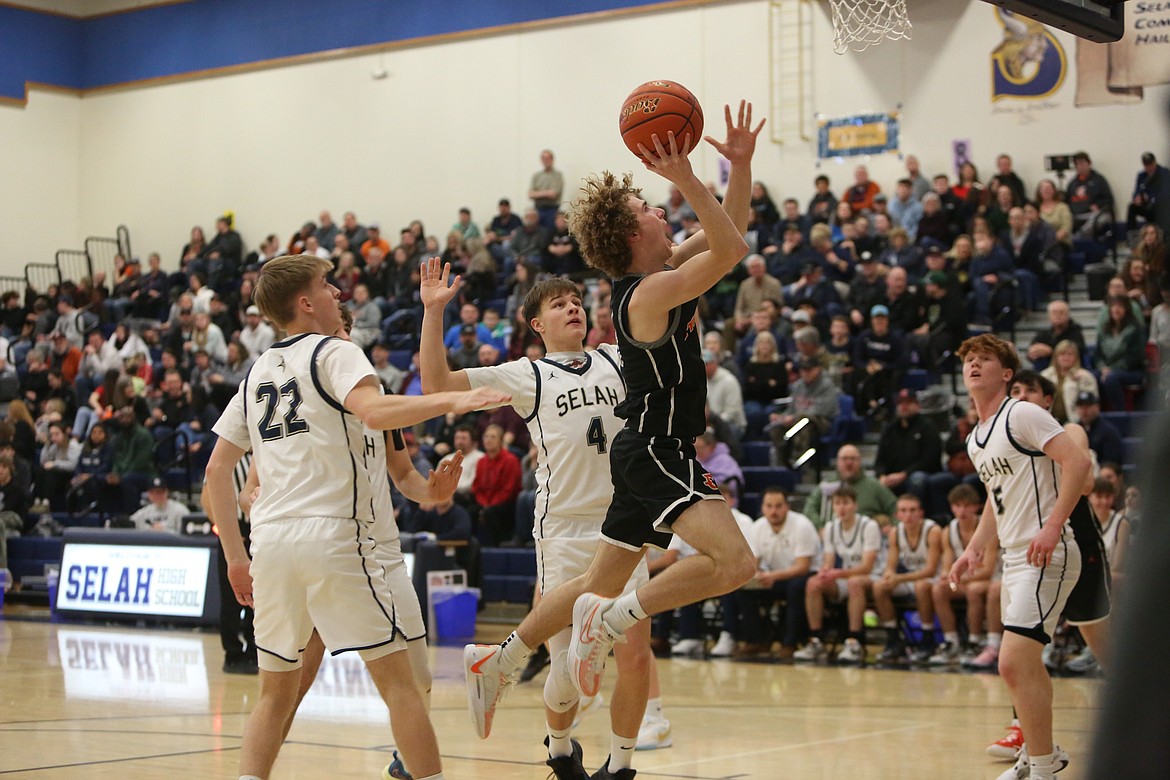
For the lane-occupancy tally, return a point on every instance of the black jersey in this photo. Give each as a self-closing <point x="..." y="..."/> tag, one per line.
<point x="666" y="382"/>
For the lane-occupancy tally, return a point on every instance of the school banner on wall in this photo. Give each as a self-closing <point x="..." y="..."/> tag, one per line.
<point x="1115" y="73"/>
<point x="859" y="134"/>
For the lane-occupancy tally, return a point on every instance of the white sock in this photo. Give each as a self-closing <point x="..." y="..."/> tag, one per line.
<point x="952" y="637"/>
<point x="1042" y="766"/>
<point x="250" y="777"/>
<point x="994" y="639"/>
<point x="654" y="709"/>
<point x="1016" y="722"/>
<point x="889" y="624"/>
<point x="624" y="613"/>
<point x="976" y="640"/>
<point x="621" y="752"/>
<point x="513" y="653"/>
<point x="559" y="743"/>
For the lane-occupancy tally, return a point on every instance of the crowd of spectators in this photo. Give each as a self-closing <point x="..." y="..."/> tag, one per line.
<point x="112" y="383"/>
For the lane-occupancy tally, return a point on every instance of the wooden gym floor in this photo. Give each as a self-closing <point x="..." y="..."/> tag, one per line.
<point x="116" y="702"/>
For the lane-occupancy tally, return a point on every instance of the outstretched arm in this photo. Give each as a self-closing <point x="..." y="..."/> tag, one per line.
<point x="385" y="412"/>
<point x="737" y="202"/>
<point x="436" y="291"/>
<point x="659" y="294"/>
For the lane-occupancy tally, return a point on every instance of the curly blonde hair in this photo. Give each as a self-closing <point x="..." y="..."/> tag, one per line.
<point x="602" y="222"/>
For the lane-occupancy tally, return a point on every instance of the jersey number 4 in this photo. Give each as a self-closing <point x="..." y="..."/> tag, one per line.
<point x="268" y="395"/>
<point x="595" y="435"/>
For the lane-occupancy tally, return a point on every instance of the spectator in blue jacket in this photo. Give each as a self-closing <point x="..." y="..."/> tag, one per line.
<point x="991" y="269"/>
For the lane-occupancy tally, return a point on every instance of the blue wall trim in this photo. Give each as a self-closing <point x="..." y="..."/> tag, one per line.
<point x="174" y="40"/>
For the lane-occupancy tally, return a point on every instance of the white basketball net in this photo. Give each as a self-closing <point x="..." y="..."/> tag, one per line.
<point x="859" y="24"/>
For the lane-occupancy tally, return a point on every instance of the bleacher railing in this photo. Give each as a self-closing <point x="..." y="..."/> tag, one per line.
<point x="72" y="264"/>
<point x="41" y="276"/>
<point x="13" y="283"/>
<point x="101" y="253"/>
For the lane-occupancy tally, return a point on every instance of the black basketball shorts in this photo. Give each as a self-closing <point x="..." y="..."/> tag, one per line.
<point x="1089" y="600"/>
<point x="655" y="478"/>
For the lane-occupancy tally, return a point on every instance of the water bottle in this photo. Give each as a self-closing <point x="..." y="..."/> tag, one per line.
<point x="52" y="576"/>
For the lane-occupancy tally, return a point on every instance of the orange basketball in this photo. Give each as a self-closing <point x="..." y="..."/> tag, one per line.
<point x="657" y="108"/>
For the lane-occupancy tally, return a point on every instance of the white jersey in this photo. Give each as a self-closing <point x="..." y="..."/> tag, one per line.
<point x="778" y="550"/>
<point x="568" y="401"/>
<point x="852" y="545"/>
<point x="1022" y="482"/>
<point x="912" y="559"/>
<point x="1109" y="535"/>
<point x="955" y="538"/>
<point x="312" y="452"/>
<point x="385" y="529"/>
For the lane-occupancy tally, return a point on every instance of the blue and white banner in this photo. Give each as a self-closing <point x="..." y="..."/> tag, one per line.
<point x="850" y="136"/>
<point x="135" y="580"/>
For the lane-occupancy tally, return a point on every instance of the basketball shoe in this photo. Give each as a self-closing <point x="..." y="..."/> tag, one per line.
<point x="852" y="653"/>
<point x="947" y="654"/>
<point x="813" y="651"/>
<point x="1008" y="748"/>
<point x="653" y="734"/>
<point x="724" y="647"/>
<point x="396" y="770"/>
<point x="605" y="774"/>
<point x="590" y="644"/>
<point x="568" y="767"/>
<point x="587" y="706"/>
<point x="486" y="684"/>
<point x="986" y="661"/>
<point x="1023" y="767"/>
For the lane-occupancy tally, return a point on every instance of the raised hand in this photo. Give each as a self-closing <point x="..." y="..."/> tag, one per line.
<point x="669" y="161"/>
<point x="741" y="138"/>
<point x="441" y="482"/>
<point x="436" y="288"/>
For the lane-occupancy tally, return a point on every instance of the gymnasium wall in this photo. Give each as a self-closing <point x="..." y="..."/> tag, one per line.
<point x="462" y="123"/>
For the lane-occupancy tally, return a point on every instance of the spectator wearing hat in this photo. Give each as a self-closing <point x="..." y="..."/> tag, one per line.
<point x="161" y="512"/>
<point x="815" y="403"/>
<point x="909" y="451"/>
<point x="724" y="394"/>
<point x="1104" y="438"/>
<point x="813" y="287"/>
<point x="466" y="353"/>
<point x="374" y="240"/>
<point x="878" y="358"/>
<point x="64" y="356"/>
<point x="1089" y="198"/>
<point x="257" y="335"/>
<point x="1151" y="195"/>
<point x="867" y="289"/>
<point x="946" y="321"/>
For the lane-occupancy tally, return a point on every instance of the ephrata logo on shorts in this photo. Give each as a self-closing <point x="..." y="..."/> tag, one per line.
<point x="709" y="481"/>
<point x="1029" y="63"/>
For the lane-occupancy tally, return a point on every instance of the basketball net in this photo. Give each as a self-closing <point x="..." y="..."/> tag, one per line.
<point x="859" y="24"/>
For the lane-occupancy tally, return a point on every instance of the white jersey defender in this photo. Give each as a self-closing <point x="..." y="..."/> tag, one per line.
<point x="314" y="556"/>
<point x="1022" y="484"/>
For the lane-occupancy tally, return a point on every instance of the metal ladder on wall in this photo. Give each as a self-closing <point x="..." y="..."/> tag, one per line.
<point x="72" y="264"/>
<point x="790" y="85"/>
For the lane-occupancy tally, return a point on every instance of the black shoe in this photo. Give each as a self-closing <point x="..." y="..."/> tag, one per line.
<point x="241" y="666"/>
<point x="895" y="652"/>
<point x="568" y="767"/>
<point x="536" y="662"/>
<point x="605" y="774"/>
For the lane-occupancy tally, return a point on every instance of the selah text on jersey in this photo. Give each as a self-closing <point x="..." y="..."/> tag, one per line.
<point x="666" y="383"/>
<point x="311" y="453"/>
<point x="568" y="401"/>
<point x="1022" y="482"/>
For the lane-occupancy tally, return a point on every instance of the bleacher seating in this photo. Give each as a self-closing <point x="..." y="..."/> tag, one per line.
<point x="508" y="574"/>
<point x="28" y="555"/>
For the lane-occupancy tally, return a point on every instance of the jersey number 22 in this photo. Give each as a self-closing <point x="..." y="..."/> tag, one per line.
<point x="268" y="395"/>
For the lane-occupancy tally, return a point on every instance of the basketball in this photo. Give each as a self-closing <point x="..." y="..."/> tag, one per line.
<point x="657" y="108"/>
